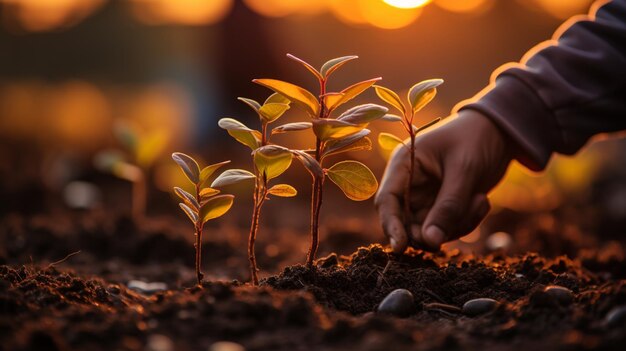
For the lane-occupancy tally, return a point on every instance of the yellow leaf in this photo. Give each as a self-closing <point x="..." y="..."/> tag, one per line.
<point x="306" y="65"/>
<point x="332" y="100"/>
<point x="206" y="194"/>
<point x="216" y="207"/>
<point x="347" y="143"/>
<point x="292" y="127"/>
<point x="193" y="216"/>
<point x="283" y="190"/>
<point x="208" y="171"/>
<point x="388" y="96"/>
<point x="241" y="133"/>
<point x="277" y="98"/>
<point x="272" y="111"/>
<point x="252" y="103"/>
<point x="328" y="129"/>
<point x="422" y="93"/>
<point x="358" y="145"/>
<point x="351" y="92"/>
<point x="332" y="65"/>
<point x="388" y="141"/>
<point x="187" y="198"/>
<point x="296" y="94"/>
<point x="150" y="147"/>
<point x="272" y="160"/>
<point x="188" y="165"/>
<point x="354" y="178"/>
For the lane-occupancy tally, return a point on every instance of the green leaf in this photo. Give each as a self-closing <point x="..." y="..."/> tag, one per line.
<point x="272" y="111"/>
<point x="390" y="97"/>
<point x="363" y="114"/>
<point x="309" y="163"/>
<point x="306" y="65"/>
<point x="189" y="199"/>
<point x="252" y="103"/>
<point x="327" y="129"/>
<point x="296" y="94"/>
<point x="388" y="141"/>
<point x="188" y="165"/>
<point x="231" y="176"/>
<point x="241" y="133"/>
<point x="277" y="98"/>
<point x="208" y="171"/>
<point x="272" y="160"/>
<point x="332" y="65"/>
<point x="292" y="127"/>
<point x="216" y="207"/>
<point x="357" y="141"/>
<point x="392" y="118"/>
<point x="354" y="178"/>
<point x="422" y="93"/>
<point x="350" y="93"/>
<point x="283" y="190"/>
<point x="206" y="194"/>
<point x="193" y="216"/>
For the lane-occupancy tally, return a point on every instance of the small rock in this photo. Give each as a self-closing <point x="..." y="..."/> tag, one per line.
<point x="476" y="307"/>
<point x="398" y="303"/>
<point x="158" y="342"/>
<point x="615" y="317"/>
<point x="146" y="288"/>
<point x="562" y="294"/>
<point x="226" y="346"/>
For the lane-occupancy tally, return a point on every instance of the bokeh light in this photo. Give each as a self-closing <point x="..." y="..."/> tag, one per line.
<point x="188" y="12"/>
<point x="407" y="4"/>
<point x="465" y="6"/>
<point x="43" y="15"/>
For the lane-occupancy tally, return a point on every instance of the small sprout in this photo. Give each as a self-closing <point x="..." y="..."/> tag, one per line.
<point x="418" y="96"/>
<point x="205" y="204"/>
<point x="269" y="160"/>
<point x="334" y="135"/>
<point x="476" y="307"/>
<point x="399" y="303"/>
<point x="140" y="151"/>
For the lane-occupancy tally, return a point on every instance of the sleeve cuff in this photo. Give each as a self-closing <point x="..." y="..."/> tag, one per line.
<point x="523" y="116"/>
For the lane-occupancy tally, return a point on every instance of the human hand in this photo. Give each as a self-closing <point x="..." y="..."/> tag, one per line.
<point x="456" y="165"/>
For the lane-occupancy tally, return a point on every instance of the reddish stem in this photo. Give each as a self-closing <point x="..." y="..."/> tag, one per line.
<point x="198" y="244"/>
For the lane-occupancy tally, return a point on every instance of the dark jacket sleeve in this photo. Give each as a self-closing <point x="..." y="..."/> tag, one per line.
<point x="564" y="91"/>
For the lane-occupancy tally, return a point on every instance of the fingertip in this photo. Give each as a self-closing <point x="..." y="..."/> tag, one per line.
<point x="434" y="236"/>
<point x="396" y="234"/>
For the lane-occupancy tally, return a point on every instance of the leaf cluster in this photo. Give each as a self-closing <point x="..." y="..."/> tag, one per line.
<point x="206" y="203"/>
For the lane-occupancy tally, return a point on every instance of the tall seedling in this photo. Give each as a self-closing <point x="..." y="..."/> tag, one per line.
<point x="346" y="132"/>
<point x="204" y="204"/>
<point x="418" y="96"/>
<point x="269" y="161"/>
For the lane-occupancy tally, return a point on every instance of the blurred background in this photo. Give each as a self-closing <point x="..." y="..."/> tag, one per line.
<point x="78" y="77"/>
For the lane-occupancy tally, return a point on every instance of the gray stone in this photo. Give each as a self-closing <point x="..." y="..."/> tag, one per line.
<point x="615" y="317"/>
<point x="398" y="303"/>
<point x="476" y="307"/>
<point x="560" y="293"/>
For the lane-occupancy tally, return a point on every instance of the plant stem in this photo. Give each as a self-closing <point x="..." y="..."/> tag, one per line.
<point x="317" y="190"/>
<point x="260" y="192"/>
<point x="198" y="227"/>
<point x="407" y="194"/>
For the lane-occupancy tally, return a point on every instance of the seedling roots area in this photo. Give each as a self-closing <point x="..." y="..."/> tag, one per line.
<point x="135" y="289"/>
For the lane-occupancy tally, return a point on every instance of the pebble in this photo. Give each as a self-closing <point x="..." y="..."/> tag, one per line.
<point x="560" y="293"/>
<point x="398" y="303"/>
<point x="476" y="307"/>
<point x="146" y="288"/>
<point x="158" y="342"/>
<point x="226" y="346"/>
<point x="616" y="317"/>
<point x="499" y="241"/>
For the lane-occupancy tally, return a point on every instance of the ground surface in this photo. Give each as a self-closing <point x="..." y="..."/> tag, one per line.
<point x="85" y="302"/>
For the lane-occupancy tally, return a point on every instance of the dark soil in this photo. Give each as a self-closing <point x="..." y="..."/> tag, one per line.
<point x="84" y="303"/>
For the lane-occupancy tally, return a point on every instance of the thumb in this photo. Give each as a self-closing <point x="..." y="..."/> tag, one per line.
<point x="448" y="212"/>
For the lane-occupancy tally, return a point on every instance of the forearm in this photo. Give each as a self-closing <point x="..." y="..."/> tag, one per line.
<point x="564" y="92"/>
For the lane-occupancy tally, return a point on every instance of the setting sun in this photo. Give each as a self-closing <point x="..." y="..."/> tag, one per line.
<point x="407" y="4"/>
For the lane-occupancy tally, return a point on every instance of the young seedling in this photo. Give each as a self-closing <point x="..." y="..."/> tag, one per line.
<point x="419" y="96"/>
<point x="269" y="161"/>
<point x="132" y="164"/>
<point x="205" y="204"/>
<point x="346" y="132"/>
